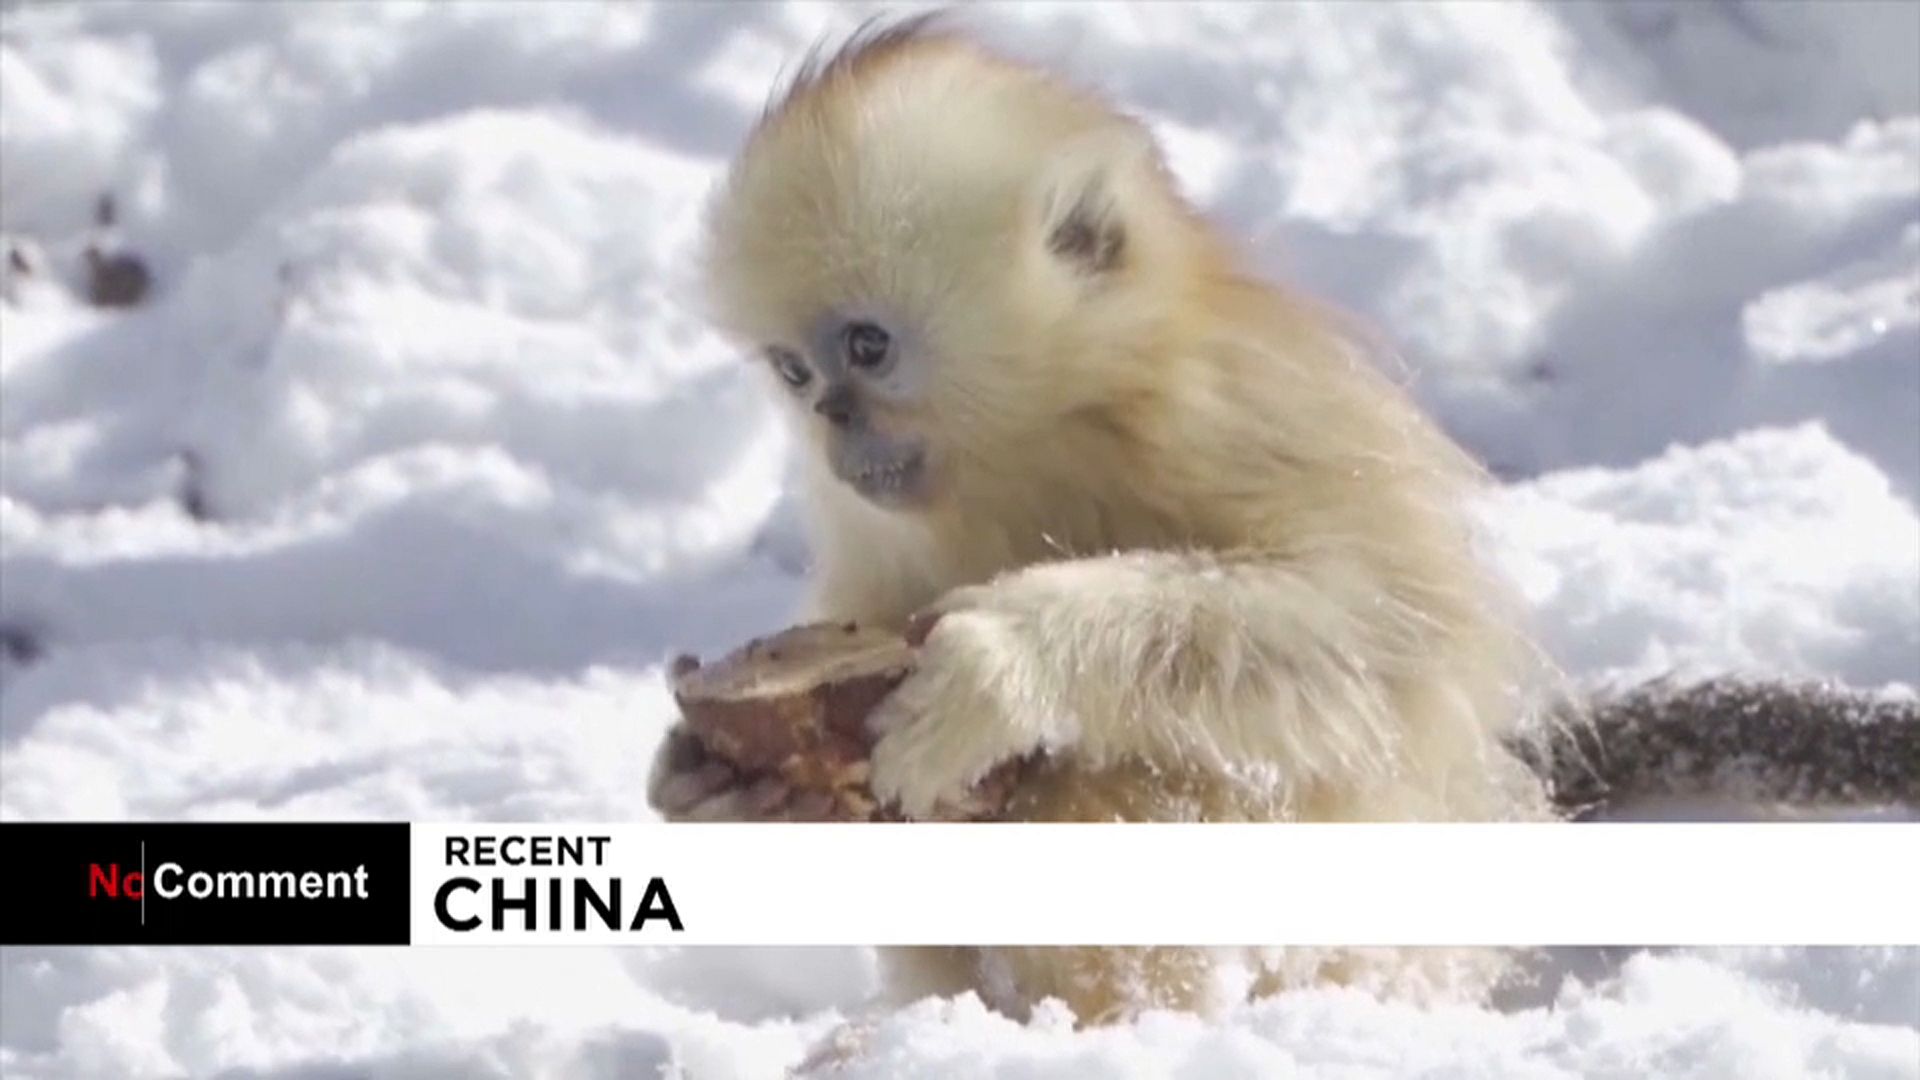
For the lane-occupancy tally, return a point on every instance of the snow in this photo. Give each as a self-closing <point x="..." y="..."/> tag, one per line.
<point x="419" y="462"/>
<point x="1698" y="562"/>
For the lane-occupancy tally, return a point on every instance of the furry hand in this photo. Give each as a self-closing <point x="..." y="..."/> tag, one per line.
<point x="972" y="703"/>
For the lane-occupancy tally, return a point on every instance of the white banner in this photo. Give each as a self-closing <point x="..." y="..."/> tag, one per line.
<point x="1166" y="884"/>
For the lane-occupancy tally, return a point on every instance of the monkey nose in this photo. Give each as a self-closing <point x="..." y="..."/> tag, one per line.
<point x="838" y="405"/>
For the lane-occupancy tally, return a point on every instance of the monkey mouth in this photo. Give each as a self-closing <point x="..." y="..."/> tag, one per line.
<point x="895" y="479"/>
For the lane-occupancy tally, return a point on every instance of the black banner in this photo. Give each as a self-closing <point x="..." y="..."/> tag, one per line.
<point x="205" y="884"/>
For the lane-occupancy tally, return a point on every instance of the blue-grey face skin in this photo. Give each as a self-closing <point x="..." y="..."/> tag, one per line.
<point x="848" y="363"/>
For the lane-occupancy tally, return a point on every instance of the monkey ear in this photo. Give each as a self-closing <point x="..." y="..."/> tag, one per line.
<point x="1084" y="227"/>
<point x="1081" y="218"/>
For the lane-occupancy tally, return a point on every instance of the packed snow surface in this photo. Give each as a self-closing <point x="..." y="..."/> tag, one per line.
<point x="418" y="460"/>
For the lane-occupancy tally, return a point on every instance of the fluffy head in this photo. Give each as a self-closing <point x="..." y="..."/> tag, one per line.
<point x="923" y="240"/>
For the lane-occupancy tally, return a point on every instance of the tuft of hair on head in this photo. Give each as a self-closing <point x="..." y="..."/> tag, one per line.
<point x="876" y="39"/>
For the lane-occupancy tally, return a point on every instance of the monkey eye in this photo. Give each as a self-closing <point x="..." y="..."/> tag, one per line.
<point x="867" y="346"/>
<point x="792" y="369"/>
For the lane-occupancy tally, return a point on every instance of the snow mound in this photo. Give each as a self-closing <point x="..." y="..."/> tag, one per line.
<point x="1701" y="562"/>
<point x="1754" y="1013"/>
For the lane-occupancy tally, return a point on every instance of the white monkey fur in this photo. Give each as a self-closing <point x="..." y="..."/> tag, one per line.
<point x="1188" y="544"/>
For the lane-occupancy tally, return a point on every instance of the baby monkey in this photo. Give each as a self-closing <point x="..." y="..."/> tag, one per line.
<point x="1178" y="538"/>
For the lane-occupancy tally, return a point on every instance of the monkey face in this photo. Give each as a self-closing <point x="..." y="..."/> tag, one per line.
<point x="934" y="299"/>
<point x="859" y="384"/>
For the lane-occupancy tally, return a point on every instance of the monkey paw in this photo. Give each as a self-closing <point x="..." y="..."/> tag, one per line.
<point x="961" y="713"/>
